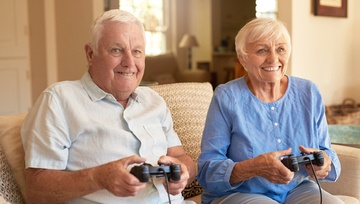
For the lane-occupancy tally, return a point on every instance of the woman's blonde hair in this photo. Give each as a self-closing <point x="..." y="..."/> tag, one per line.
<point x="260" y="28"/>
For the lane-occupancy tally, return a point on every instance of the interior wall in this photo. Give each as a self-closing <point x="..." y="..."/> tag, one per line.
<point x="193" y="17"/>
<point x="37" y="48"/>
<point x="58" y="33"/>
<point x="201" y="27"/>
<point x="324" y="51"/>
<point x="72" y="29"/>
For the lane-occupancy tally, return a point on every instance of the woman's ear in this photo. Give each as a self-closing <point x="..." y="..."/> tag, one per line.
<point x="242" y="61"/>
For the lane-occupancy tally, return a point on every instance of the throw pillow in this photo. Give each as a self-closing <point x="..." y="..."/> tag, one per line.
<point x="10" y="141"/>
<point x="9" y="191"/>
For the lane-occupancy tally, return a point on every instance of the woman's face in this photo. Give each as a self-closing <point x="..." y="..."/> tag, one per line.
<point x="267" y="60"/>
<point x="119" y="65"/>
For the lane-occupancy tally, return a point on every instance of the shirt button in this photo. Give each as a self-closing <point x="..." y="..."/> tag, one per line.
<point x="278" y="140"/>
<point x="276" y="124"/>
<point x="272" y="108"/>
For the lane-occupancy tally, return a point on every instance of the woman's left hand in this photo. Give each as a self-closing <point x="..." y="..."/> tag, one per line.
<point x="320" y="171"/>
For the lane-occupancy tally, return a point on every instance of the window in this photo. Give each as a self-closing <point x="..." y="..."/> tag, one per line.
<point x="155" y="16"/>
<point x="266" y="8"/>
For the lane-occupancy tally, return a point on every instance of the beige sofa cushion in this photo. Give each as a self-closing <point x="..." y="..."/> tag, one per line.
<point x="348" y="183"/>
<point x="9" y="191"/>
<point x="12" y="147"/>
<point x="188" y="104"/>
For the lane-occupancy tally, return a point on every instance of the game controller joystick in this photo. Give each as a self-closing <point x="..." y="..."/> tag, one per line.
<point x="144" y="171"/>
<point x="292" y="162"/>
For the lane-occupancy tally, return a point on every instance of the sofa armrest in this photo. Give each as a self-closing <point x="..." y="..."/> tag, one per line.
<point x="349" y="181"/>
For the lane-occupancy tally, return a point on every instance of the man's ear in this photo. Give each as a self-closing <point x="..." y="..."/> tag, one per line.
<point x="89" y="53"/>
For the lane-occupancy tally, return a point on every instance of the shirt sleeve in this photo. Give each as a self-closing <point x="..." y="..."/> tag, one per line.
<point x="215" y="167"/>
<point x="44" y="135"/>
<point x="324" y="140"/>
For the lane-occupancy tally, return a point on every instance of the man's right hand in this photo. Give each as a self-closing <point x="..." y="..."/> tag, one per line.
<point x="115" y="177"/>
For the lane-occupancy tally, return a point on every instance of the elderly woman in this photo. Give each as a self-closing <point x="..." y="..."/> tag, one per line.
<point x="255" y="121"/>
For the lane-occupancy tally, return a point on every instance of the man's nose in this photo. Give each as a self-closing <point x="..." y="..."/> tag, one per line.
<point x="127" y="60"/>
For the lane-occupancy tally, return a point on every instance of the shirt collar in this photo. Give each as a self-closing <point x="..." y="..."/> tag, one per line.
<point x="96" y="93"/>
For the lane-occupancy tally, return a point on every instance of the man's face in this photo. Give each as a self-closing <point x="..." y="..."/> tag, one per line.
<point x="119" y="63"/>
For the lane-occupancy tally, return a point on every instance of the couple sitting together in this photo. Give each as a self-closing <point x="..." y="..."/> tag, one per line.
<point x="81" y="138"/>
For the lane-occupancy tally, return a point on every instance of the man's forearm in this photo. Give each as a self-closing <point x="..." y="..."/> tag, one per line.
<point x="55" y="186"/>
<point x="185" y="159"/>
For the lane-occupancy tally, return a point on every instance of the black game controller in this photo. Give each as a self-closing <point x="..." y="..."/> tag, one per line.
<point x="292" y="162"/>
<point x="144" y="171"/>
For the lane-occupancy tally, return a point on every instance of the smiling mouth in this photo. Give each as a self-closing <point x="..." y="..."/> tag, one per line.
<point x="126" y="73"/>
<point x="271" y="68"/>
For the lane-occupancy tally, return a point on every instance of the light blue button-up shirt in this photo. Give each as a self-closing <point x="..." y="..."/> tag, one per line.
<point x="75" y="125"/>
<point x="239" y="126"/>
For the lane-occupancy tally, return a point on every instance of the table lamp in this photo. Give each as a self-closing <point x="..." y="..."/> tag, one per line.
<point x="188" y="41"/>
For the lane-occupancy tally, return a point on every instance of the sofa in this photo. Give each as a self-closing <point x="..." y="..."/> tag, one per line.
<point x="188" y="103"/>
<point x="164" y="69"/>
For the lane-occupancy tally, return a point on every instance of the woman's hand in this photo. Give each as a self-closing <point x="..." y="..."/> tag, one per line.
<point x="266" y="165"/>
<point x="320" y="171"/>
<point x="271" y="168"/>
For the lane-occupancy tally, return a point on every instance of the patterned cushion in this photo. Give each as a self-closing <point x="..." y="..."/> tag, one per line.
<point x="12" y="147"/>
<point x="9" y="192"/>
<point x="188" y="103"/>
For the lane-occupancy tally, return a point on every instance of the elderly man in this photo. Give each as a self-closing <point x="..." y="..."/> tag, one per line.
<point x="82" y="137"/>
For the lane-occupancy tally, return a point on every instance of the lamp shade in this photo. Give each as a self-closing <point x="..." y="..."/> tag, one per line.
<point x="188" y="41"/>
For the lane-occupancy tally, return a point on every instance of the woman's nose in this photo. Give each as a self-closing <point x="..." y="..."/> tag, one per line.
<point x="272" y="57"/>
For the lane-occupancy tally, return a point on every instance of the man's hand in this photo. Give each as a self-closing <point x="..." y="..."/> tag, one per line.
<point x="320" y="171"/>
<point x="175" y="187"/>
<point x="115" y="177"/>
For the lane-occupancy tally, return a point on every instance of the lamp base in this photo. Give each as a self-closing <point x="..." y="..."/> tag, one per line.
<point x="189" y="59"/>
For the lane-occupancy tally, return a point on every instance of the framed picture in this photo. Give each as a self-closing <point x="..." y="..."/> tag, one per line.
<point x="334" y="8"/>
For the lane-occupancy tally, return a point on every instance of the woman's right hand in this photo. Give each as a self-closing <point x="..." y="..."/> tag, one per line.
<point x="268" y="166"/>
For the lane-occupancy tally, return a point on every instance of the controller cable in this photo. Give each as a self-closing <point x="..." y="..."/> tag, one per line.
<point x="317" y="181"/>
<point x="166" y="184"/>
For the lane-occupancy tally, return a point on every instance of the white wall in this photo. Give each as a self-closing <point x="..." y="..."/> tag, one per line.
<point x="326" y="50"/>
<point x="58" y="33"/>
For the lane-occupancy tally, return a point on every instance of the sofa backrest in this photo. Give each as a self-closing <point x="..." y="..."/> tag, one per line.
<point x="188" y="104"/>
<point x="161" y="68"/>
